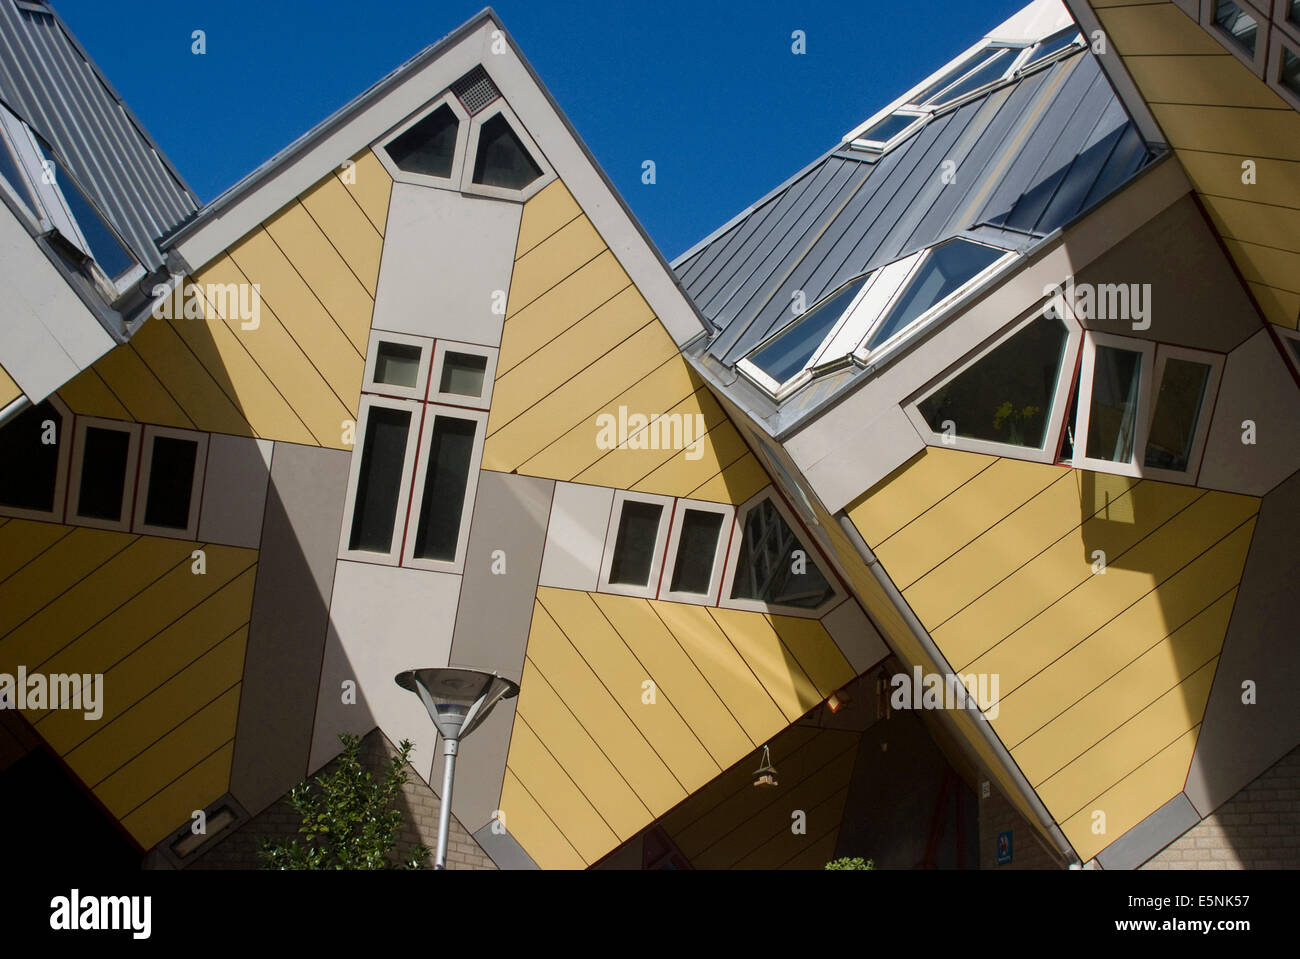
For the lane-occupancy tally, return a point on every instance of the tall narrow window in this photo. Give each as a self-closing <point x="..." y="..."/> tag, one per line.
<point x="462" y="374"/>
<point x="429" y="146"/>
<point x="634" y="547"/>
<point x="171" y="482"/>
<point x="1113" y="410"/>
<point x="451" y="449"/>
<point x="773" y="567"/>
<point x="1177" y="414"/>
<point x="502" y="160"/>
<point x="105" y="456"/>
<point x="29" y="451"/>
<point x="379" y="482"/>
<point x="697" y="548"/>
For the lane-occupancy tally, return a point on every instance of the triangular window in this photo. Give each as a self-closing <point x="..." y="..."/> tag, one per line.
<point x="428" y="147"/>
<point x="767" y="569"/>
<point x="502" y="160"/>
<point x="948" y="267"/>
<point x="789" y="352"/>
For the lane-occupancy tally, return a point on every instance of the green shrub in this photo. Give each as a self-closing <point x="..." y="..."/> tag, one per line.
<point x="857" y="862"/>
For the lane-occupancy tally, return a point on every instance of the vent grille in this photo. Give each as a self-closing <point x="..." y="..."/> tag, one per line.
<point x="475" y="90"/>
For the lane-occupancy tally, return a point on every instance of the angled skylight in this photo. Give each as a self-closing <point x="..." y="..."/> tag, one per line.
<point x="789" y="353"/>
<point x="992" y="68"/>
<point x="954" y="73"/>
<point x="1052" y="46"/>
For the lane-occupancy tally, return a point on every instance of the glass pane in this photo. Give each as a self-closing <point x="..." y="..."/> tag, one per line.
<point x="104" y="246"/>
<point x="429" y="147"/>
<point x="696" y="550"/>
<point x="462" y="374"/>
<point x="10" y="173"/>
<point x="1295" y="348"/>
<point x="1048" y="47"/>
<point x="1112" y="417"/>
<point x="502" y="160"/>
<point x="398" y="364"/>
<point x="171" y="482"/>
<point x="1289" y="75"/>
<point x="1005" y="397"/>
<point x="450" y="450"/>
<point x="767" y="569"/>
<point x="971" y="64"/>
<point x="1293" y="12"/>
<point x="1178" y="410"/>
<point x="1237" y="23"/>
<point x="103" y="473"/>
<point x="790" y="351"/>
<point x="638" y="529"/>
<point x="383" y="452"/>
<point x="23" y="440"/>
<point x="946" y="268"/>
<point x="992" y="70"/>
<point x="890" y="127"/>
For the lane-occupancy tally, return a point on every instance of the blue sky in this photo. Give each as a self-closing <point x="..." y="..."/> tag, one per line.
<point x="708" y="90"/>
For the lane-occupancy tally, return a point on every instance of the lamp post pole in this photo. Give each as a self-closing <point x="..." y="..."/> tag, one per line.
<point x="444" y="807"/>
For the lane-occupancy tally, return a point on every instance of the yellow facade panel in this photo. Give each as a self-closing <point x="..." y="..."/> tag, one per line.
<point x="1210" y="80"/>
<point x="1156" y="29"/>
<point x="348" y="228"/>
<point x="681" y="474"/>
<point x="544" y="214"/>
<point x="88" y="395"/>
<point x="735" y="484"/>
<point x="823" y="815"/>
<point x="1275" y="226"/>
<point x="370" y="186"/>
<point x="1224" y="174"/>
<point x="557" y="257"/>
<point x="51" y="574"/>
<point x="912" y="489"/>
<point x="1252" y="132"/>
<point x="775" y="666"/>
<point x="579" y="755"/>
<point x="9" y="390"/>
<point x="172" y="807"/>
<point x="533" y="829"/>
<point x="139" y="390"/>
<point x="1279" y="306"/>
<point x="21" y="541"/>
<point x="815" y="651"/>
<point x="186" y="379"/>
<point x="1266" y="265"/>
<point x="549" y="784"/>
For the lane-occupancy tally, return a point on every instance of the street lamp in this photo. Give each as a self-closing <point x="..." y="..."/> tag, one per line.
<point x="458" y="700"/>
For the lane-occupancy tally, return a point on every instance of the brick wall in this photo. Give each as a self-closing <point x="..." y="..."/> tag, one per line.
<point x="1259" y="828"/>
<point x="1027" y="850"/>
<point x="419" y="805"/>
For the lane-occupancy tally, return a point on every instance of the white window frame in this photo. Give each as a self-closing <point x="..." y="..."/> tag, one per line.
<point x="1013" y="64"/>
<point x="1262" y="23"/>
<point x="1023" y="62"/>
<point x="919" y="116"/>
<point x="441" y="348"/>
<point x="415" y="485"/>
<point x="467" y="184"/>
<point x="666" y="520"/>
<point x="1215" y="362"/>
<point x="1087" y="369"/>
<point x="872" y="301"/>
<point x="720" y="552"/>
<point x="733" y="558"/>
<point x="416" y="409"/>
<point x="1056" y="415"/>
<point x="1278" y="41"/>
<point x="191" y="529"/>
<point x="66" y="429"/>
<point x="134" y="433"/>
<point x="451" y="182"/>
<point x="416" y="392"/>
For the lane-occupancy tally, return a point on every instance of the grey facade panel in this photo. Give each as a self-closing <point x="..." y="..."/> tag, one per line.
<point x="47" y="79"/>
<point x="286" y="637"/>
<point x="1150" y="835"/>
<point x="504" y="850"/>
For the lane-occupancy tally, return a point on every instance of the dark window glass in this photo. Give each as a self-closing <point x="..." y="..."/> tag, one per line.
<point x="450" y="451"/>
<point x="946" y="268"/>
<point x="1293" y="12"/>
<point x="104" y="246"/>
<point x="1178" y="410"/>
<point x="890" y="127"/>
<point x="103" y="473"/>
<point x="1006" y="396"/>
<point x="171" y="482"/>
<point x="462" y="374"/>
<point x="502" y="160"/>
<point x="790" y="351"/>
<point x="990" y="71"/>
<point x="28" y="465"/>
<point x="767" y="569"/>
<point x="1237" y="24"/>
<point x="1048" y="47"/>
<point x="1289" y="74"/>
<point x="1112" y="419"/>
<point x="10" y="173"/>
<point x="634" y="547"/>
<point x="397" y="364"/>
<point x="429" y="147"/>
<point x="696" y="549"/>
<point x="1295" y="348"/>
<point x="383" y="452"/>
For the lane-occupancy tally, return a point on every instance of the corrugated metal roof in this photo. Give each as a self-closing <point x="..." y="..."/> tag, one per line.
<point x="1028" y="157"/>
<point x="49" y="81"/>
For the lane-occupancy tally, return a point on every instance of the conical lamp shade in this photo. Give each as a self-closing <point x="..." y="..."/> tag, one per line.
<point x="457" y="699"/>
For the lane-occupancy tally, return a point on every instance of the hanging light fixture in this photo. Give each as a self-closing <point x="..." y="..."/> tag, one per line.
<point x="765" y="774"/>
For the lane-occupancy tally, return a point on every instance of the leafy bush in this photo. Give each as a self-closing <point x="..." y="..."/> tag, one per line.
<point x="857" y="862"/>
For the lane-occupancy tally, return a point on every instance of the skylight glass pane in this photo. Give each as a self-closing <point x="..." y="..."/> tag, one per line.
<point x="429" y="147"/>
<point x="790" y="352"/>
<point x="1116" y="379"/>
<point x="1237" y="23"/>
<point x="1289" y="75"/>
<point x="1178" y="410"/>
<point x="104" y="246"/>
<point x="890" y="127"/>
<point x="10" y="173"/>
<point x="1046" y="48"/>
<point x="991" y="71"/>
<point x="502" y="160"/>
<point x="948" y="266"/>
<point x="1005" y="397"/>
<point x="956" y="73"/>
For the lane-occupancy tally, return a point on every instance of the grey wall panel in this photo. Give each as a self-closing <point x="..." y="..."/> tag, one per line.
<point x="234" y="490"/>
<point x="575" y="537"/>
<point x="503" y="849"/>
<point x="1150" y="835"/>
<point x="1240" y="741"/>
<point x="854" y="634"/>
<point x="1196" y="299"/>
<point x="286" y="638"/>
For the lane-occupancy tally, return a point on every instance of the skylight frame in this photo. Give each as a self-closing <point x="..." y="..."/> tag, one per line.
<point x="1025" y="63"/>
<point x="919" y="115"/>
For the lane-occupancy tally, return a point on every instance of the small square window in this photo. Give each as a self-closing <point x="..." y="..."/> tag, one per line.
<point x="1289" y="71"/>
<point x="171" y="478"/>
<point x="462" y="374"/>
<point x="635" y="544"/>
<point x="398" y="364"/>
<point x="697" y="547"/>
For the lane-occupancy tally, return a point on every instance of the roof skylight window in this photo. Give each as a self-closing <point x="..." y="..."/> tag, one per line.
<point x="992" y="69"/>
<point x="955" y="73"/>
<point x="786" y="355"/>
<point x="1052" y="46"/>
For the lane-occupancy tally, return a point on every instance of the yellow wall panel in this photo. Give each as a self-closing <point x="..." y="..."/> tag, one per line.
<point x="533" y="829"/>
<point x="776" y="668"/>
<point x="815" y="651"/>
<point x="1219" y="174"/>
<point x="736" y="484"/>
<point x="1252" y="132"/>
<point x="675" y="675"/>
<point x="911" y="489"/>
<point x="680" y="475"/>
<point x="1279" y="306"/>
<point x="548" y="784"/>
<point x="348" y="228"/>
<point x="51" y="574"/>
<point x="139" y="390"/>
<point x="544" y="214"/>
<point x="1261" y="223"/>
<point x="551" y="261"/>
<point x="186" y="379"/>
<point x="1224" y="81"/>
<point x="88" y="394"/>
<point x="1267" y="265"/>
<point x="9" y="390"/>
<point x="171" y="807"/>
<point x="21" y="541"/>
<point x="1157" y="29"/>
<point x="576" y="751"/>
<point x="370" y="187"/>
<point x="824" y="813"/>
